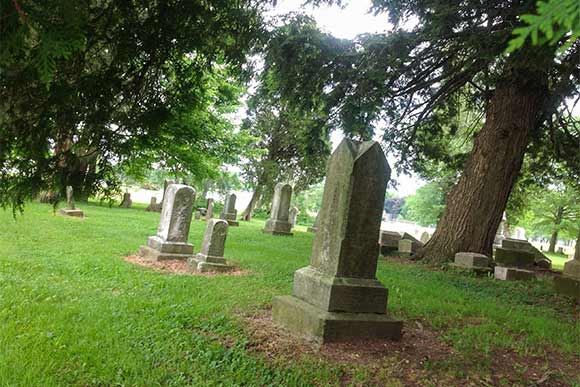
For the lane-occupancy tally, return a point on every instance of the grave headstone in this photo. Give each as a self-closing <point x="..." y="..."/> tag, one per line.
<point x="314" y="226"/>
<point x="512" y="274"/>
<point x="294" y="211"/>
<point x="173" y="231"/>
<point x="337" y="297"/>
<point x="230" y="213"/>
<point x="279" y="224"/>
<point x="425" y="237"/>
<point x="405" y="248"/>
<point x="471" y="261"/>
<point x="389" y="242"/>
<point x="126" y="202"/>
<point x="514" y="257"/>
<point x="540" y="260"/>
<point x="197" y="215"/>
<point x="569" y="283"/>
<point x="70" y="209"/>
<point x="153" y="205"/>
<point x="209" y="210"/>
<point x="211" y="255"/>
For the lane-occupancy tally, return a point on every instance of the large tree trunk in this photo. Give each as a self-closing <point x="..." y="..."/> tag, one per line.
<point x="577" y="248"/>
<point x="475" y="205"/>
<point x="554" y="238"/>
<point x="249" y="211"/>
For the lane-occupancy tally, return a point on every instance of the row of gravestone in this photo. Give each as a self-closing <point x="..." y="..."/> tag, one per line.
<point x="514" y="259"/>
<point x="337" y="296"/>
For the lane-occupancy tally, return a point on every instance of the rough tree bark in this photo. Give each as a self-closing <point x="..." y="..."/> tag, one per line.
<point x="475" y="205"/>
<point x="577" y="249"/>
<point x="249" y="211"/>
<point x="554" y="237"/>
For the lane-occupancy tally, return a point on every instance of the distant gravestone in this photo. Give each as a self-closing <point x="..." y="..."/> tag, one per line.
<point x="471" y="261"/>
<point x="425" y="237"/>
<point x="569" y="283"/>
<point x="211" y="255"/>
<point x="173" y="231"/>
<point x="153" y="205"/>
<point x="126" y="202"/>
<point x="230" y="213"/>
<point x="405" y="248"/>
<point x="512" y="274"/>
<point x="337" y="297"/>
<point x="279" y="224"/>
<point x="389" y="242"/>
<point x="197" y="215"/>
<point x="209" y="210"/>
<point x="314" y="226"/>
<point x="70" y="209"/>
<point x="294" y="211"/>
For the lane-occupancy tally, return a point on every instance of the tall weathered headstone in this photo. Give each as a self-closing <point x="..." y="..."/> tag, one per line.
<point x="230" y="213"/>
<point x="126" y="202"/>
<point x="337" y="296"/>
<point x="293" y="216"/>
<point x="211" y="255"/>
<point x="70" y="209"/>
<point x="389" y="242"/>
<point x="173" y="231"/>
<point x="279" y="224"/>
<point x="209" y="210"/>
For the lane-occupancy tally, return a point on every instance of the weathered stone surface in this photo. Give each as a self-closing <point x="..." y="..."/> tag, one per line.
<point x="521" y="244"/>
<point x="279" y="224"/>
<point x="197" y="215"/>
<point x="572" y="269"/>
<point x="173" y="231"/>
<point x="314" y="226"/>
<point x="153" y="205"/>
<point x="337" y="296"/>
<point x="425" y="237"/>
<point x="389" y="241"/>
<point x="211" y="255"/>
<point x="471" y="260"/>
<point x="515" y="244"/>
<point x="126" y="202"/>
<point x="315" y="324"/>
<point x="417" y="244"/>
<point x="70" y="209"/>
<point x="230" y="213"/>
<point x="514" y="258"/>
<point x="405" y="247"/>
<point x="568" y="286"/>
<point x="512" y="274"/>
<point x="294" y="211"/>
<point x="209" y="210"/>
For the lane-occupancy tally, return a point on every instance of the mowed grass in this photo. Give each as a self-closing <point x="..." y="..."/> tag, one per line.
<point x="73" y="312"/>
<point x="558" y="260"/>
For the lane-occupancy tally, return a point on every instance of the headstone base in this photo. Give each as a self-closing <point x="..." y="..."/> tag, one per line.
<point x="568" y="286"/>
<point x="203" y="263"/>
<point x="76" y="213"/>
<point x="512" y="274"/>
<point x="356" y="295"/>
<point x="156" y="255"/>
<point x="320" y="326"/>
<point x="278" y="227"/>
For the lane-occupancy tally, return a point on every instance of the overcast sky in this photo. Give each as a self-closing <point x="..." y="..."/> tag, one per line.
<point x="347" y="23"/>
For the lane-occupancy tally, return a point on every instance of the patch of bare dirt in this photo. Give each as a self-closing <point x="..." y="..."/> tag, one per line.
<point x="177" y="267"/>
<point x="421" y="358"/>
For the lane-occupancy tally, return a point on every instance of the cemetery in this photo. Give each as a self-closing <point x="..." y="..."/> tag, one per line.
<point x="319" y="193"/>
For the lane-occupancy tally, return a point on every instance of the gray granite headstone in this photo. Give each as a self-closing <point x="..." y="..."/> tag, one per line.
<point x="337" y="296"/>
<point x="70" y="209"/>
<point x="211" y="255"/>
<point x="294" y="211"/>
<point x="230" y="213"/>
<point x="279" y="224"/>
<point x="173" y="231"/>
<point x="209" y="209"/>
<point x="153" y="205"/>
<point x="126" y="202"/>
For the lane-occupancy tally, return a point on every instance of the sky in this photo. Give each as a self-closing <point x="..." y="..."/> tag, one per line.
<point x="348" y="22"/>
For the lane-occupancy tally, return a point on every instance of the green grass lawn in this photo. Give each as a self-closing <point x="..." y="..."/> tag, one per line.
<point x="558" y="260"/>
<point x="72" y="312"/>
